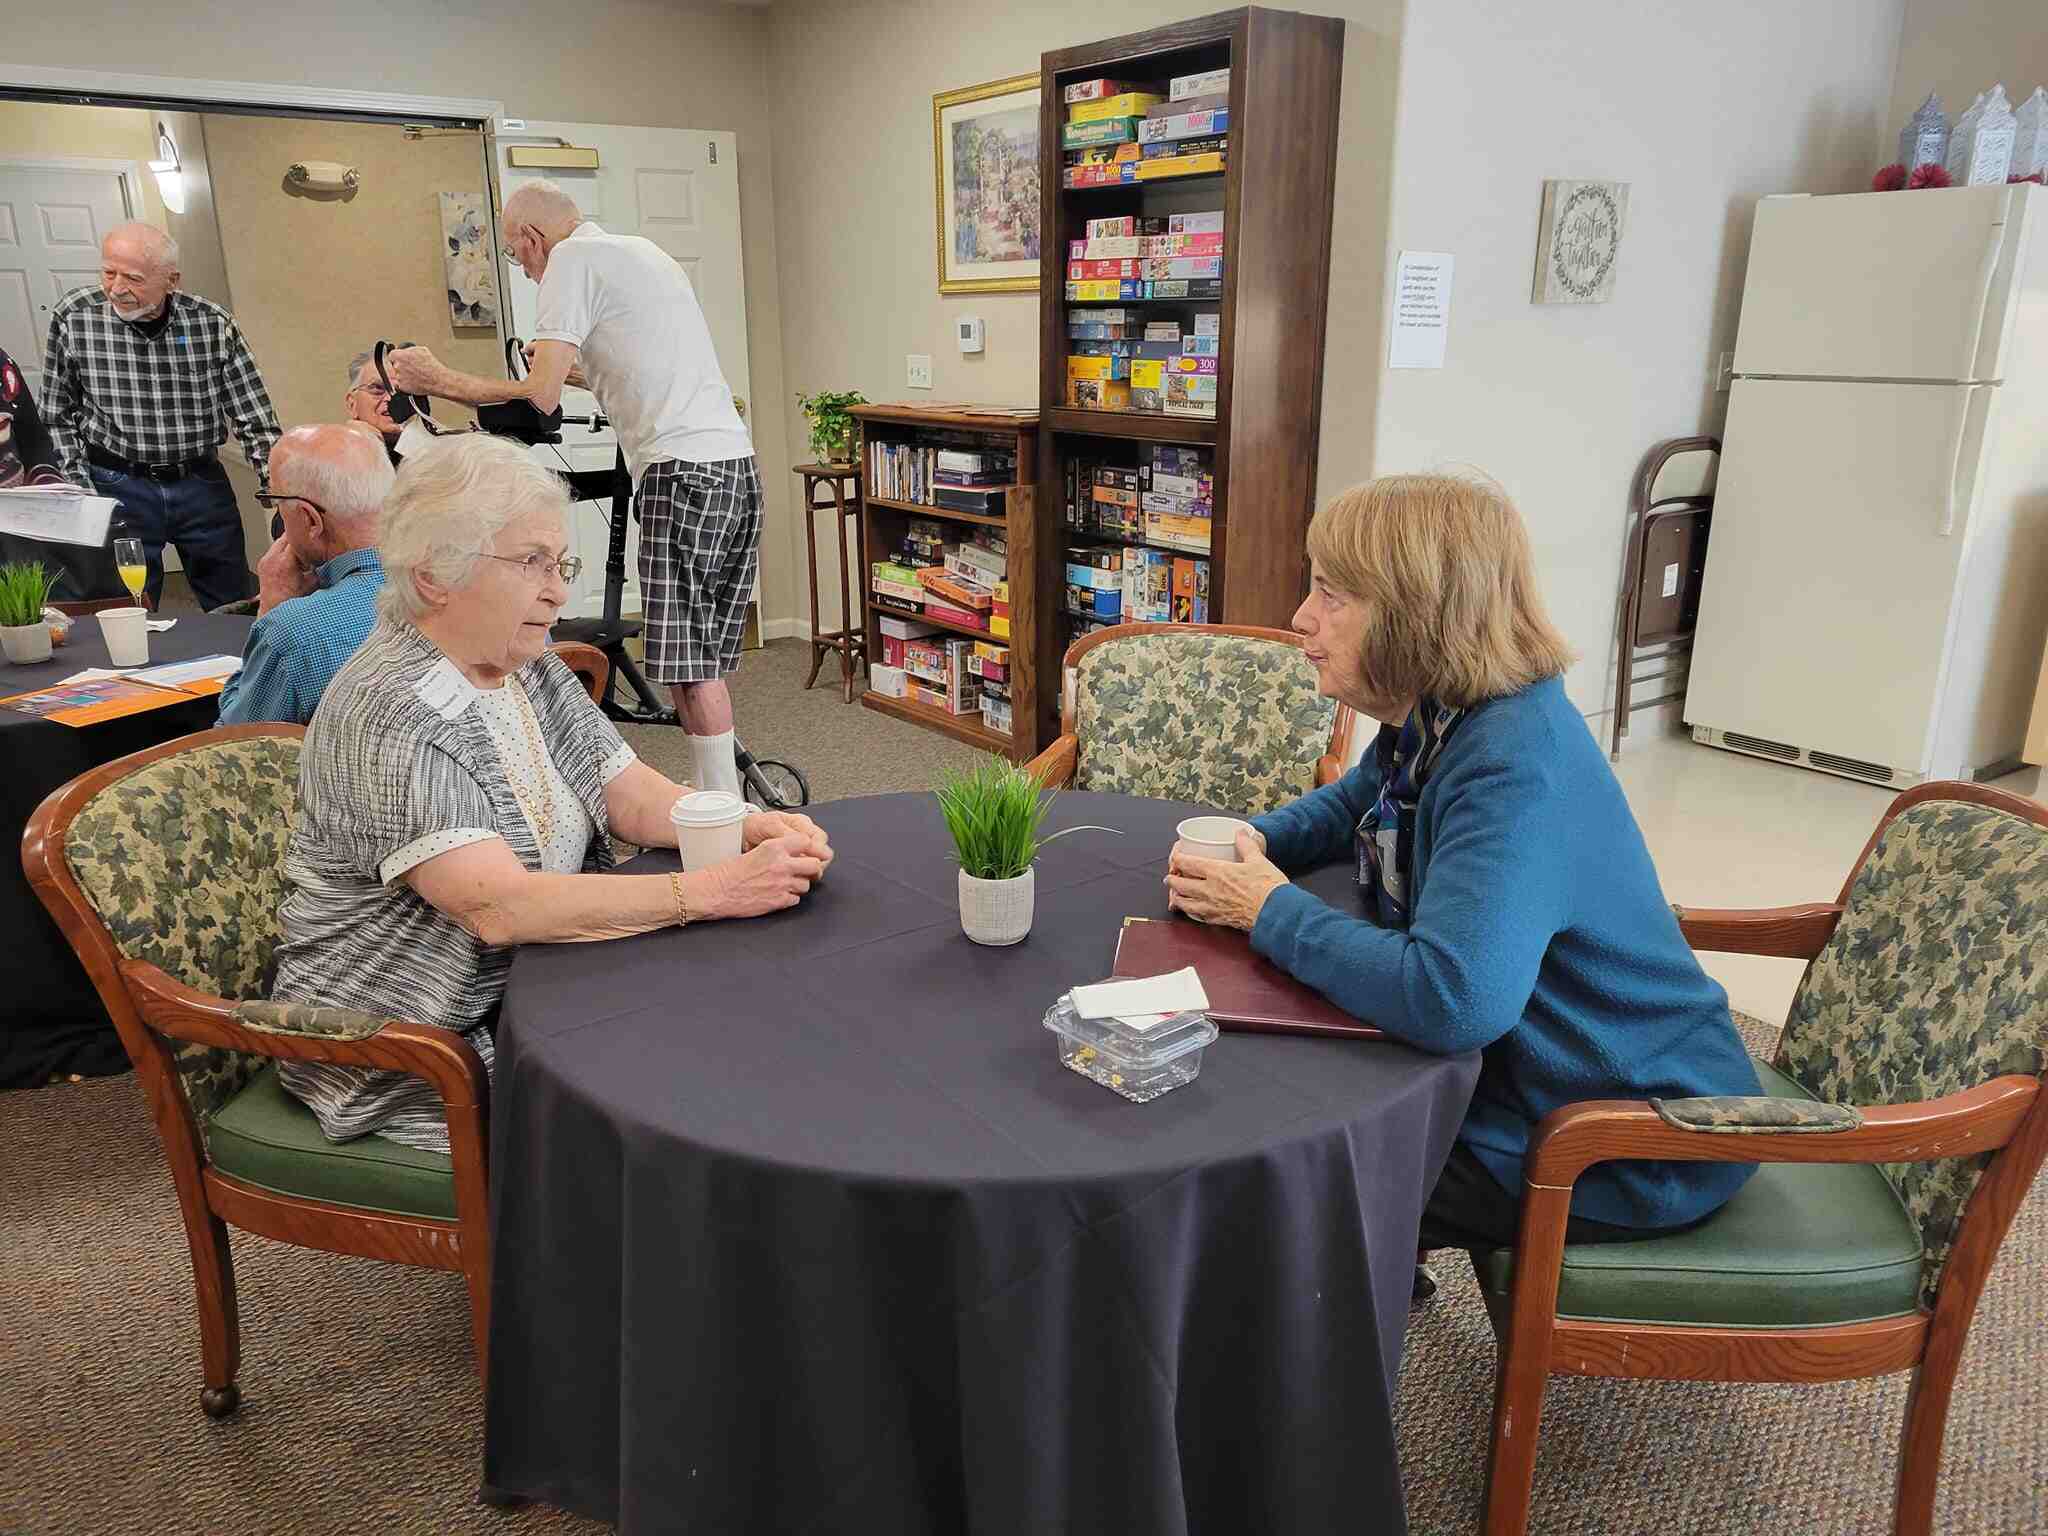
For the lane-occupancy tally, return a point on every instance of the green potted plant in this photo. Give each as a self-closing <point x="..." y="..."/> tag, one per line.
<point x="24" y="635"/>
<point x="994" y="811"/>
<point x="832" y="429"/>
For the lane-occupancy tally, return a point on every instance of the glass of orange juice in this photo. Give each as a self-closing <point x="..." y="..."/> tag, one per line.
<point x="128" y="561"/>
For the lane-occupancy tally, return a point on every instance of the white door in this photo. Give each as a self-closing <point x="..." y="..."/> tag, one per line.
<point x="1828" y="602"/>
<point x="51" y="221"/>
<point x="678" y="187"/>
<point x="1879" y="285"/>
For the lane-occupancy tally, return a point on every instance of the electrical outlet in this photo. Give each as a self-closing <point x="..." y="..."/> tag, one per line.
<point x="1724" y="372"/>
<point x="920" y="371"/>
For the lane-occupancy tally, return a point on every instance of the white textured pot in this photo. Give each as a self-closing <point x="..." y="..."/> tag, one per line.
<point x="26" y="642"/>
<point x="997" y="912"/>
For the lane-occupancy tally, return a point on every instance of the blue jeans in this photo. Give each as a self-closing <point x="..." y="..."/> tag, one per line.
<point x="198" y="514"/>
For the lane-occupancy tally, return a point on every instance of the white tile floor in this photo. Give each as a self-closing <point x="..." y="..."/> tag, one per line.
<point x="1734" y="831"/>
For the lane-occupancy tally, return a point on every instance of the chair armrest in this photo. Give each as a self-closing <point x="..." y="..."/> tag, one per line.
<point x="312" y="1021"/>
<point x="1573" y="1139"/>
<point x="1054" y="767"/>
<point x="1756" y="1115"/>
<point x="441" y="1056"/>
<point x="1790" y="933"/>
<point x="1329" y="769"/>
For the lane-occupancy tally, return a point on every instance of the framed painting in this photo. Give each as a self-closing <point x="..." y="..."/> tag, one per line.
<point x="985" y="185"/>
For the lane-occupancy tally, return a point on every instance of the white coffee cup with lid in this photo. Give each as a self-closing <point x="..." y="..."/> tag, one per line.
<point x="1210" y="837"/>
<point x="708" y="823"/>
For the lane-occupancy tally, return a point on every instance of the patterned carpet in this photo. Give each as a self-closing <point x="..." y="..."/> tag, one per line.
<point x="361" y="1413"/>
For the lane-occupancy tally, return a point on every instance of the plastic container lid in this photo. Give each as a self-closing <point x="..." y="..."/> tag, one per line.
<point x="708" y="808"/>
<point x="1133" y="1050"/>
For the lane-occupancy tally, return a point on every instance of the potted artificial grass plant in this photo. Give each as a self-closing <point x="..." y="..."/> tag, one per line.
<point x="24" y="588"/>
<point x="994" y="811"/>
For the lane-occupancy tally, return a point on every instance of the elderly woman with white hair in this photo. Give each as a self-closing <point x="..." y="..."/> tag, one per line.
<point x="458" y="792"/>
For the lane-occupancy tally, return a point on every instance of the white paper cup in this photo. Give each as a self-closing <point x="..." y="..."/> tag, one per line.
<point x="1210" y="837"/>
<point x="126" y="631"/>
<point x="707" y="823"/>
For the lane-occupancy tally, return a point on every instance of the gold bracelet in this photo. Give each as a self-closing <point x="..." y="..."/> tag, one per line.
<point x="675" y="885"/>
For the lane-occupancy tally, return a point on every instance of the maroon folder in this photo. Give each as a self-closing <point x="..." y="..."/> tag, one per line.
<point x="1246" y="991"/>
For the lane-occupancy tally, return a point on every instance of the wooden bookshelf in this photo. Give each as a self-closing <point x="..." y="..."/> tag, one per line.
<point x="1029" y="525"/>
<point x="1276" y="193"/>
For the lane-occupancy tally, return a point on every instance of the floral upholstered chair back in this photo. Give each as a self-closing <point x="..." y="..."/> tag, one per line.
<point x="183" y="859"/>
<point x="1232" y="721"/>
<point x="1935" y="981"/>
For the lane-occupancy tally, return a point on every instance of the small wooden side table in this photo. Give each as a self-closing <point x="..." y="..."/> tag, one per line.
<point x="835" y="488"/>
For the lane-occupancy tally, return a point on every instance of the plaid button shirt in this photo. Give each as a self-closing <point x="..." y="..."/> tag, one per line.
<point x="160" y="399"/>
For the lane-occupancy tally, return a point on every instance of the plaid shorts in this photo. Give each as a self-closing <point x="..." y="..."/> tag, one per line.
<point x="700" y="547"/>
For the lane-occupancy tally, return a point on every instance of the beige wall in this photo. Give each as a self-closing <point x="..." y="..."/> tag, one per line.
<point x="1701" y="111"/>
<point x="853" y="157"/>
<point x="660" y="63"/>
<point x="202" y="261"/>
<point x="318" y="277"/>
<point x="1957" y="48"/>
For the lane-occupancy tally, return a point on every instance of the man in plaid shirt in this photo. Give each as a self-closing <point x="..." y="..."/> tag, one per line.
<point x="141" y="384"/>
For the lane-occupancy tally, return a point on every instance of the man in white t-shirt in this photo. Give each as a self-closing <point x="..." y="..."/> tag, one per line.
<point x="621" y="308"/>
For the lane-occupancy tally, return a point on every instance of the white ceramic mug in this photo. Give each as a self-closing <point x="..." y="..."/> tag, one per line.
<point x="1210" y="837"/>
<point x="708" y="823"/>
<point x="126" y="631"/>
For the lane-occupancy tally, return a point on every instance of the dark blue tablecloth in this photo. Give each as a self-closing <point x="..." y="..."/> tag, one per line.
<point x="799" y="1225"/>
<point x="52" y="1023"/>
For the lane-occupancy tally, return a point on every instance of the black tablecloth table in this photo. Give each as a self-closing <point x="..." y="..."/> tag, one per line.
<point x="799" y="1225"/>
<point x="53" y="1021"/>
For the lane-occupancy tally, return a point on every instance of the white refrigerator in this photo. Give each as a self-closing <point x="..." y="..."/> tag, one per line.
<point x="1876" y="585"/>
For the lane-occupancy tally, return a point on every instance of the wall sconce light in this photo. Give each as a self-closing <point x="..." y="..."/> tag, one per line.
<point x="323" y="176"/>
<point x="170" y="171"/>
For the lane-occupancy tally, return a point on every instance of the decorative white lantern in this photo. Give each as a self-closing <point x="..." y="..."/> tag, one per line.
<point x="1924" y="139"/>
<point x="1987" y="147"/>
<point x="1955" y="164"/>
<point x="2030" y="140"/>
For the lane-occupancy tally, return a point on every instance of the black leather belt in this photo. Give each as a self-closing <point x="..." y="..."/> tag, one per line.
<point x="175" y="469"/>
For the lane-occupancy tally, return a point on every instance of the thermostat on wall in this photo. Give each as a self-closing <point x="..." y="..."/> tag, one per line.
<point x="968" y="328"/>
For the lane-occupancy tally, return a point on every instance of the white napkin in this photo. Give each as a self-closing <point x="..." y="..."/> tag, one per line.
<point x="159" y="625"/>
<point x="1144" y="1002"/>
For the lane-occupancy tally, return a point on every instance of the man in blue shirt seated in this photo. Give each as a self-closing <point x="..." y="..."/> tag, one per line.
<point x="317" y="586"/>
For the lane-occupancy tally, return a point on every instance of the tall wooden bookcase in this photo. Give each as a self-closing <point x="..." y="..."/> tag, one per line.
<point x="1276" y="192"/>
<point x="1033" y="549"/>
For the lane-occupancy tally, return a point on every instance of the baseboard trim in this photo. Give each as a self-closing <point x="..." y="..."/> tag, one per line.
<point x="785" y="629"/>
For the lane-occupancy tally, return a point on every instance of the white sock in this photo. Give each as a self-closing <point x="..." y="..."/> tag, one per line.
<point x="715" y="766"/>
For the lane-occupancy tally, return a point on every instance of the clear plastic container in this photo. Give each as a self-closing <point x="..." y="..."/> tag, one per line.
<point x="1139" y="1064"/>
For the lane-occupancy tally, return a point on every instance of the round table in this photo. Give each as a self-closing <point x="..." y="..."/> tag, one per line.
<point x="55" y="1024"/>
<point x="800" y="1225"/>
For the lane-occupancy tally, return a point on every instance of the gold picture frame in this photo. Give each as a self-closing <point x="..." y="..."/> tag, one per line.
<point x="987" y="224"/>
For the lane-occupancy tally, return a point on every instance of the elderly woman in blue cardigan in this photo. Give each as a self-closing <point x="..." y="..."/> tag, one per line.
<point x="1506" y="900"/>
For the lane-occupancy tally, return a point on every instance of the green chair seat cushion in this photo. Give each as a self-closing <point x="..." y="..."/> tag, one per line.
<point x="1800" y="1245"/>
<point x="264" y="1136"/>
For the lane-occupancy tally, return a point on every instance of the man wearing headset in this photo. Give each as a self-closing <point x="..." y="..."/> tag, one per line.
<point x="617" y="315"/>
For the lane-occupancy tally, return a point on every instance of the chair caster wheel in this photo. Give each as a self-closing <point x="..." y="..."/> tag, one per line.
<point x="1425" y="1287"/>
<point x="219" y="1402"/>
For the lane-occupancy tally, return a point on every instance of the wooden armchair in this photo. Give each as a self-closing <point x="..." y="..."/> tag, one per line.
<point x="164" y="870"/>
<point x="588" y="663"/>
<point x="1902" y="1123"/>
<point x="1217" y="714"/>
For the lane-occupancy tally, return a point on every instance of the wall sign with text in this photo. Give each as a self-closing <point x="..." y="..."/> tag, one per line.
<point x="1578" y="241"/>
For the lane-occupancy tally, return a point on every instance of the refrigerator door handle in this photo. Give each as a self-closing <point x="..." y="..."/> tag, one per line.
<point x="1987" y="274"/>
<point x="1966" y="399"/>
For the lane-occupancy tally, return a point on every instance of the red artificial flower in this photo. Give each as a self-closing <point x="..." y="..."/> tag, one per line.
<point x="1889" y="179"/>
<point x="1929" y="176"/>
